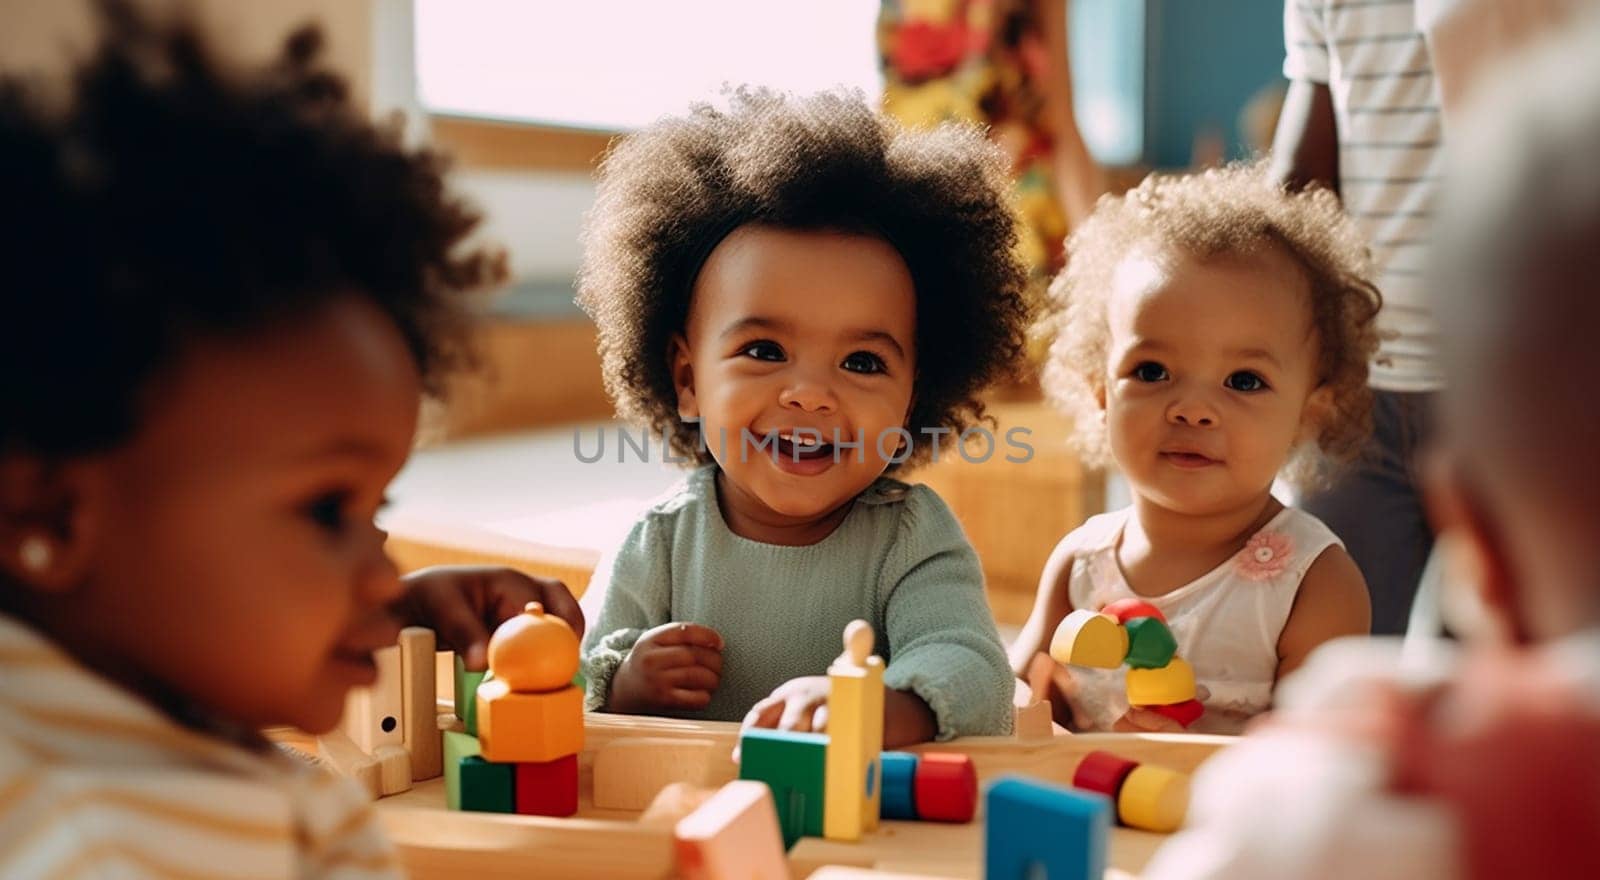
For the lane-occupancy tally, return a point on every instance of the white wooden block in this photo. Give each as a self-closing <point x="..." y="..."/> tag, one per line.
<point x="373" y="716"/>
<point x="420" y="726"/>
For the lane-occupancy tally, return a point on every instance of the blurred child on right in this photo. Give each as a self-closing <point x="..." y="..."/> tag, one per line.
<point x="1485" y="767"/>
<point x="1209" y="330"/>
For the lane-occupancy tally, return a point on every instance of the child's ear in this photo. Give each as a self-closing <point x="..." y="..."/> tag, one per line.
<point x="681" y="364"/>
<point x="49" y="520"/>
<point x="1477" y="549"/>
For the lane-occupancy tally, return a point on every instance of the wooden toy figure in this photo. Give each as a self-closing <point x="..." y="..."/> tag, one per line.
<point x="854" y="774"/>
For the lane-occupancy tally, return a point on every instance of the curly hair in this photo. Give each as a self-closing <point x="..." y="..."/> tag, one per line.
<point x="670" y="192"/>
<point x="166" y="197"/>
<point x="1231" y="211"/>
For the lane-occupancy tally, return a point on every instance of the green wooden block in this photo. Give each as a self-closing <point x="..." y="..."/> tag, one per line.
<point x="467" y="695"/>
<point x="793" y="766"/>
<point x="456" y="747"/>
<point x="487" y="787"/>
<point x="1150" y="643"/>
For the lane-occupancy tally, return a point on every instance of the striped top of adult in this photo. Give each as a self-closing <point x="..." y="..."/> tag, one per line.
<point x="1376" y="65"/>
<point x="95" y="782"/>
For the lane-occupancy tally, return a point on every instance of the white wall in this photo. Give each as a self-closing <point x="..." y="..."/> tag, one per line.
<point x="536" y="215"/>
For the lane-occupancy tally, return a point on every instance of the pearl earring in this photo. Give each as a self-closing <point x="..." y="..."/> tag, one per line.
<point x="36" y="553"/>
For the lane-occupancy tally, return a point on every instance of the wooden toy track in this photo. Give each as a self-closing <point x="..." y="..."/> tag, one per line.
<point x="616" y="845"/>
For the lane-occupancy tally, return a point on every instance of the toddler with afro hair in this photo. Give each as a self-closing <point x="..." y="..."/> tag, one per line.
<point x="803" y="275"/>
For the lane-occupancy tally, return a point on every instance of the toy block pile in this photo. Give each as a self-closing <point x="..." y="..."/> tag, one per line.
<point x="1146" y="796"/>
<point x="523" y="722"/>
<point x="1133" y="633"/>
<point x="836" y="785"/>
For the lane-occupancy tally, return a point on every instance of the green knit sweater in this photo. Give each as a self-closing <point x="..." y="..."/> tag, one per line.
<point x="899" y="561"/>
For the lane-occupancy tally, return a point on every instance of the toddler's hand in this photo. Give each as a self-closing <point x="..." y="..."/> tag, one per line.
<point x="1137" y="720"/>
<point x="463" y="604"/>
<point x="1051" y="681"/>
<point x="674" y="666"/>
<point x="799" y="704"/>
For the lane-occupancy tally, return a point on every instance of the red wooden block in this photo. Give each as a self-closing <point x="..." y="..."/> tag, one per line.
<point x="1102" y="772"/>
<point x="549" y="788"/>
<point x="1185" y="713"/>
<point x="1125" y="610"/>
<point x="946" y="787"/>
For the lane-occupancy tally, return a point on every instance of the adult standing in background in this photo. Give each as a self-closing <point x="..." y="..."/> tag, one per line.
<point x="1003" y="64"/>
<point x="1466" y="37"/>
<point x="1362" y="118"/>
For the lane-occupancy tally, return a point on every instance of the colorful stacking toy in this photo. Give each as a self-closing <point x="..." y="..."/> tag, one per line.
<point x="1133" y="633"/>
<point x="524" y="722"/>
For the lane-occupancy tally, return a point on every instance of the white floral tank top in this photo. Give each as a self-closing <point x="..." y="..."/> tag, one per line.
<point x="1227" y="621"/>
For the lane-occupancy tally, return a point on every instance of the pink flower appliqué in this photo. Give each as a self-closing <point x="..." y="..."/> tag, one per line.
<point x="1265" y="556"/>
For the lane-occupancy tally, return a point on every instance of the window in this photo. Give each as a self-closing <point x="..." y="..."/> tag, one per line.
<point x="620" y="64"/>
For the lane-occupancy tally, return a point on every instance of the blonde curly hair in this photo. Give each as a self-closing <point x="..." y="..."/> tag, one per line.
<point x="1231" y="211"/>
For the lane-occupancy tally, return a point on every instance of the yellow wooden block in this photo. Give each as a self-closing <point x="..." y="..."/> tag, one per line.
<point x="1088" y="638"/>
<point x="1153" y="798"/>
<point x="533" y="728"/>
<point x="1172" y="683"/>
<point x="853" y="777"/>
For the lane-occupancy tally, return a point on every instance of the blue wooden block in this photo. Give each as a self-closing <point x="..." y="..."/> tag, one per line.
<point x="899" y="792"/>
<point x="1033" y="829"/>
<point x="793" y="765"/>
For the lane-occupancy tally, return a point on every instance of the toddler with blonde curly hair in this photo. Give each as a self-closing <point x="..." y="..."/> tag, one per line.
<point x="1211" y="332"/>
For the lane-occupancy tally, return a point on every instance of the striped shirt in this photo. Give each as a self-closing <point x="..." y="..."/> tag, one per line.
<point x="1376" y="65"/>
<point x="94" y="782"/>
